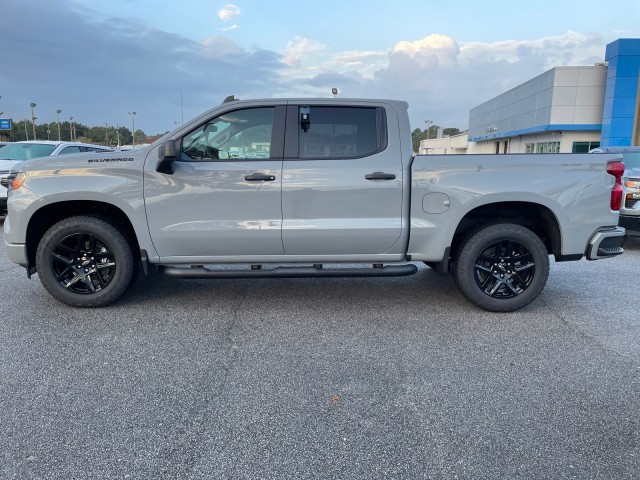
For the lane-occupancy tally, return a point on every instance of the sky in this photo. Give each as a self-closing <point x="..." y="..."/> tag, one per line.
<point x="97" y="60"/>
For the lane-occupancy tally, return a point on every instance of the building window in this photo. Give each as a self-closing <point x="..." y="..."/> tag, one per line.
<point x="584" y="147"/>
<point x="548" y="147"/>
<point x="530" y="148"/>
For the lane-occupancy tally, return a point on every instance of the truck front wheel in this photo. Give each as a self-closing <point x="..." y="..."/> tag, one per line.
<point x="85" y="262"/>
<point x="501" y="267"/>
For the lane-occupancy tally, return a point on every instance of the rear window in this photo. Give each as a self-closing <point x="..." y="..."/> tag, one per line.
<point x="26" y="151"/>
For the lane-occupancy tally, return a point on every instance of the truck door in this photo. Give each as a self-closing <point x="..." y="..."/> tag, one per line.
<point x="224" y="195"/>
<point x="341" y="183"/>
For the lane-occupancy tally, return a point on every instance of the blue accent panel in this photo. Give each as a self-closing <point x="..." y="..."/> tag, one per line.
<point x="540" y="129"/>
<point x="624" y="109"/>
<point x="621" y="92"/>
<point x="622" y="127"/>
<point x="617" y="142"/>
<point x="626" y="87"/>
<point x="630" y="67"/>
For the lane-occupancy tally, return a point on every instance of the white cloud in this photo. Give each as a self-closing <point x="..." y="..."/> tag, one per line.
<point x="228" y="12"/>
<point x="220" y="46"/>
<point x="301" y="48"/>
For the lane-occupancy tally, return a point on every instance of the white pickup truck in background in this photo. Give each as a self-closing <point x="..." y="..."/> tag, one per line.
<point x="314" y="184"/>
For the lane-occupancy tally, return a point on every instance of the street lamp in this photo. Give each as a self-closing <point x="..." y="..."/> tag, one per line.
<point x="58" y="112"/>
<point x="48" y="133"/>
<point x="429" y="123"/>
<point x="106" y="135"/>
<point x="71" y="129"/>
<point x="133" y="127"/>
<point x="33" y="119"/>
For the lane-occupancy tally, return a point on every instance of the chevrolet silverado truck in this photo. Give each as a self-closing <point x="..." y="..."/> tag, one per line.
<point x="308" y="188"/>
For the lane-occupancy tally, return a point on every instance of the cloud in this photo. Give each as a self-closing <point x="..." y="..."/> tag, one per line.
<point x="301" y="48"/>
<point x="103" y="68"/>
<point x="228" y="12"/>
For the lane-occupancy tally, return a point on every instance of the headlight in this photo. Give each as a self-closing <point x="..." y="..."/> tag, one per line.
<point x="15" y="180"/>
<point x="632" y="183"/>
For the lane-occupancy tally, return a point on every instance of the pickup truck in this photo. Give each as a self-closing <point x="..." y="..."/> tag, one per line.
<point x="308" y="188"/>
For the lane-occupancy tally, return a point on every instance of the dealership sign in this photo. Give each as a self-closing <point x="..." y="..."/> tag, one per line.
<point x="5" y="124"/>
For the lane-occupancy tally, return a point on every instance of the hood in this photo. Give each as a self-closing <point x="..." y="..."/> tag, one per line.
<point x="85" y="160"/>
<point x="7" y="165"/>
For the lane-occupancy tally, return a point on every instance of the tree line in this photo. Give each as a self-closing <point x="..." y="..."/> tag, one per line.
<point x="110" y="136"/>
<point x="431" y="132"/>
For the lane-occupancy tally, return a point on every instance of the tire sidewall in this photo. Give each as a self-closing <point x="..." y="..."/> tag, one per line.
<point x="108" y="235"/>
<point x="480" y="239"/>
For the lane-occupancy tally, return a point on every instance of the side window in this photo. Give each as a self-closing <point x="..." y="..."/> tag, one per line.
<point x="242" y="134"/>
<point x="68" y="150"/>
<point x="342" y="132"/>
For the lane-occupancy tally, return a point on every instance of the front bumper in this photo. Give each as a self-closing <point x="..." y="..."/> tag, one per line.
<point x="606" y="243"/>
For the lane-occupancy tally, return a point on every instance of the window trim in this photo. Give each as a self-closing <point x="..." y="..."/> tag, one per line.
<point x="293" y="129"/>
<point x="277" y="136"/>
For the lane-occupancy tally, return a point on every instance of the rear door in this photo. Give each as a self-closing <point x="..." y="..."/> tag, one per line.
<point x="341" y="181"/>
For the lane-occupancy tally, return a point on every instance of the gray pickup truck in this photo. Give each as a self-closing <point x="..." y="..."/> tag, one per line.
<point x="308" y="188"/>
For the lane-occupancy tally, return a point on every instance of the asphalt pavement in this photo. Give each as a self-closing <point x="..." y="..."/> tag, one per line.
<point x="323" y="378"/>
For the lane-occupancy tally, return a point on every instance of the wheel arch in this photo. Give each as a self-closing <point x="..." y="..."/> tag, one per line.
<point x="534" y="216"/>
<point x="49" y="215"/>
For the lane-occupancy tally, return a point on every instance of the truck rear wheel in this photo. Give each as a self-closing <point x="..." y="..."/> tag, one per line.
<point x="85" y="262"/>
<point x="501" y="267"/>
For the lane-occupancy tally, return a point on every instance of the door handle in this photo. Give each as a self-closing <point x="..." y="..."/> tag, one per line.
<point x="380" y="176"/>
<point x="259" y="177"/>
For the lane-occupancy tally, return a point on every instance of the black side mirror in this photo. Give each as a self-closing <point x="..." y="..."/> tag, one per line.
<point x="167" y="153"/>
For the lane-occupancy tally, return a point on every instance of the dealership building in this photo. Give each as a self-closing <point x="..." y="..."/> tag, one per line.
<point x="565" y="109"/>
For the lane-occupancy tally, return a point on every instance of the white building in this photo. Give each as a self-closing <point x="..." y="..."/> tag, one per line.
<point x="558" y="111"/>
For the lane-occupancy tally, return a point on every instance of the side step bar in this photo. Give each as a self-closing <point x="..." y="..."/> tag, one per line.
<point x="291" y="272"/>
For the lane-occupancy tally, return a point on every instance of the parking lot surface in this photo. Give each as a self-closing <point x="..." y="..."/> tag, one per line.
<point x="323" y="378"/>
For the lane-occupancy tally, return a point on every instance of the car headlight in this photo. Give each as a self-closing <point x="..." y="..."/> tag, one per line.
<point x="15" y="180"/>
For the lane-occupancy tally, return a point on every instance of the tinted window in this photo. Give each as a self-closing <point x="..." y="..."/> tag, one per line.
<point x="68" y="150"/>
<point x="243" y="134"/>
<point x="339" y="132"/>
<point x="26" y="151"/>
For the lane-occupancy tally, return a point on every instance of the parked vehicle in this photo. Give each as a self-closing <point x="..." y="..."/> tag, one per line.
<point x="630" y="209"/>
<point x="314" y="184"/>
<point x="16" y="152"/>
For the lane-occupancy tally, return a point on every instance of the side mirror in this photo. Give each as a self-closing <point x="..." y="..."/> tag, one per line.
<point x="167" y="153"/>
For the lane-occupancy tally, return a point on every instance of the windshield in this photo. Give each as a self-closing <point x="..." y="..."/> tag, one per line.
<point x="26" y="151"/>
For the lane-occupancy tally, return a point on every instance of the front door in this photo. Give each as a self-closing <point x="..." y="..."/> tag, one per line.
<point x="224" y="195"/>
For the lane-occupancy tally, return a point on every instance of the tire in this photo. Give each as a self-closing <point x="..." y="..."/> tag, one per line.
<point x="501" y="267"/>
<point x="85" y="262"/>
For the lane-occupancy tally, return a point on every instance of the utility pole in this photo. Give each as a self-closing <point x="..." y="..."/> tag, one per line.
<point x="33" y="120"/>
<point x="58" y="112"/>
<point x="133" y="127"/>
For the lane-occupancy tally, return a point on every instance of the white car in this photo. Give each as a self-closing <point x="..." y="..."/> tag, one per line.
<point x="15" y="152"/>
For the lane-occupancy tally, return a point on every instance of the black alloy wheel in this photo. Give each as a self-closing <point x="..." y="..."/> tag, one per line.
<point x="85" y="261"/>
<point x="501" y="267"/>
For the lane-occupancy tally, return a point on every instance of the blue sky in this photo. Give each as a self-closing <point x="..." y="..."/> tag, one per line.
<point x="99" y="59"/>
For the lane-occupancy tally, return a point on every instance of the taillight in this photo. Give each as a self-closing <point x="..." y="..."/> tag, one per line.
<point x="616" y="168"/>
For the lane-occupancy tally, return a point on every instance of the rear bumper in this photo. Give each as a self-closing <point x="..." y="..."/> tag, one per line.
<point x="605" y="243"/>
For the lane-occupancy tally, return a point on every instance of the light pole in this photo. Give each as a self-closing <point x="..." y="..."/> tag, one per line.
<point x="33" y="119"/>
<point x="429" y="123"/>
<point x="71" y="129"/>
<point x="58" y="112"/>
<point x="106" y="135"/>
<point x="48" y="133"/>
<point x="133" y="127"/>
